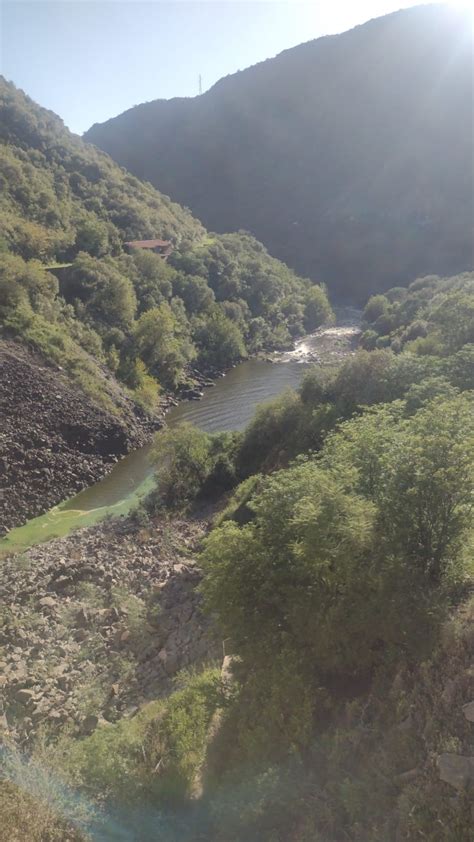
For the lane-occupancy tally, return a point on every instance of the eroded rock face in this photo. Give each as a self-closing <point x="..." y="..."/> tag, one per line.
<point x="97" y="624"/>
<point x="54" y="440"/>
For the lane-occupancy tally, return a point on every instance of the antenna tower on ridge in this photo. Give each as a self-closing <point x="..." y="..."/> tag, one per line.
<point x="200" y="84"/>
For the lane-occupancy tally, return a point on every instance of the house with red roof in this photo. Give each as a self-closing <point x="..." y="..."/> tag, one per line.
<point x="161" y="247"/>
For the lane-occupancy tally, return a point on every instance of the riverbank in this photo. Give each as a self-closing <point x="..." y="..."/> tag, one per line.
<point x="228" y="406"/>
<point x="54" y="439"/>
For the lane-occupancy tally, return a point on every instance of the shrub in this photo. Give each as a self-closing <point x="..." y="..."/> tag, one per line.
<point x="156" y="755"/>
<point x="376" y="307"/>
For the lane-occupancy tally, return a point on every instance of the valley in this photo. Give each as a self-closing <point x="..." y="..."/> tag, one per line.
<point x="237" y="451"/>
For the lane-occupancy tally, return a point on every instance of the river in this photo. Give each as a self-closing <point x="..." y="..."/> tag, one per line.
<point x="229" y="405"/>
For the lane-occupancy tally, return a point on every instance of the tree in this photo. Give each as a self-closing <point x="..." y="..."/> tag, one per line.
<point x="285" y="581"/>
<point x="182" y="456"/>
<point x="194" y="291"/>
<point x="22" y="280"/>
<point x="419" y="472"/>
<point x="317" y="309"/>
<point x="454" y="315"/>
<point x="427" y="486"/>
<point x="92" y="236"/>
<point x="157" y="342"/>
<point x="219" y="339"/>
<point x="152" y="279"/>
<point x="107" y="295"/>
<point x="377" y="306"/>
<point x="363" y="380"/>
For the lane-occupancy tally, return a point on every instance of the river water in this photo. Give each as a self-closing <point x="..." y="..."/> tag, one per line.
<point x="229" y="405"/>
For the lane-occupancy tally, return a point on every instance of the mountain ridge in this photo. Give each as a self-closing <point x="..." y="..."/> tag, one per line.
<point x="324" y="154"/>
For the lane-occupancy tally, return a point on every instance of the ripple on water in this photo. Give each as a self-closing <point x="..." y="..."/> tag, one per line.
<point x="229" y="405"/>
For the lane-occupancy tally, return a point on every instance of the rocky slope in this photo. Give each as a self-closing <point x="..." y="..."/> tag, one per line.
<point x="54" y="440"/>
<point x="98" y="623"/>
<point x="333" y="153"/>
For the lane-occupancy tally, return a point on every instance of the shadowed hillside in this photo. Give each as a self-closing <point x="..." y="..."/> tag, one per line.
<point x="349" y="156"/>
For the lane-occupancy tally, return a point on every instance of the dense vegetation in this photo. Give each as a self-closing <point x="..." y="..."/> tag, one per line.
<point x="338" y="572"/>
<point x="68" y="287"/>
<point x="340" y="559"/>
<point x="334" y="153"/>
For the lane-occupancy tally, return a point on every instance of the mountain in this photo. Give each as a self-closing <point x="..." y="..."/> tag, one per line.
<point x="349" y="156"/>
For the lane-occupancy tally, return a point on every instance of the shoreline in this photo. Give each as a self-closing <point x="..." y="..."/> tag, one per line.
<point x="37" y="505"/>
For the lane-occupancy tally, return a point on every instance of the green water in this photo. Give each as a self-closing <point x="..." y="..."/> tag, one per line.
<point x="114" y="495"/>
<point x="229" y="405"/>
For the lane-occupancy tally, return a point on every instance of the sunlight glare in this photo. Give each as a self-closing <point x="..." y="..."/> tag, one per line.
<point x="464" y="5"/>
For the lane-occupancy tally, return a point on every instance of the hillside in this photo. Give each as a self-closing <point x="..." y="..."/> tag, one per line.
<point x="336" y="574"/>
<point x="121" y="328"/>
<point x="333" y="154"/>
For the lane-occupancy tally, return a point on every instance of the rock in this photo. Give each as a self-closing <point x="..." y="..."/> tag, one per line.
<point x="170" y="660"/>
<point x="449" y="692"/>
<point x="468" y="711"/>
<point x="456" y="770"/>
<point x="62" y="582"/>
<point x="47" y="602"/>
<point x="63" y="442"/>
<point x="24" y="697"/>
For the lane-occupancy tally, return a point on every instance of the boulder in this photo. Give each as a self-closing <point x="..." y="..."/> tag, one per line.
<point x="47" y="602"/>
<point x="24" y="697"/>
<point x="468" y="711"/>
<point x="456" y="770"/>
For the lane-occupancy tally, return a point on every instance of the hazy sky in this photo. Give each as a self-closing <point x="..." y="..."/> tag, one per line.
<point x="88" y="60"/>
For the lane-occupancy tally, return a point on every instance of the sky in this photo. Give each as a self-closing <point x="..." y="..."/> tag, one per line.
<point x="89" y="60"/>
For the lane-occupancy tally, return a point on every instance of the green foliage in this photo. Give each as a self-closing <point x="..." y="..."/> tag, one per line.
<point x="157" y="754"/>
<point x="159" y="344"/>
<point x="182" y="456"/>
<point x="152" y="278"/>
<point x="65" y="203"/>
<point x="346" y="563"/>
<point x="419" y="472"/>
<point x="145" y="389"/>
<point x="33" y="805"/>
<point x="107" y="297"/>
<point x="60" y="193"/>
<point x="269" y="303"/>
<point x="219" y="340"/>
<point x="317" y="309"/>
<point x="435" y="316"/>
<point x="92" y="236"/>
<point x="190" y="461"/>
<point x="377" y="306"/>
<point x="454" y="316"/>
<point x="274" y="426"/>
<point x="26" y="282"/>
